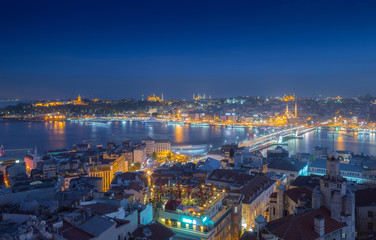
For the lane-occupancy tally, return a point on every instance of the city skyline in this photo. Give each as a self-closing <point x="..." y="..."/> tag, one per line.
<point x="181" y="120"/>
<point x="126" y="49"/>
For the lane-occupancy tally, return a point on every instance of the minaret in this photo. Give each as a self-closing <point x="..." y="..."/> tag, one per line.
<point x="194" y="97"/>
<point x="162" y="97"/>
<point x="296" y="109"/>
<point x="142" y="97"/>
<point x="287" y="110"/>
<point x="204" y="96"/>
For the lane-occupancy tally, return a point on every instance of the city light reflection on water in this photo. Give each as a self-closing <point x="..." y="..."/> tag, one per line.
<point x="52" y="135"/>
<point x="179" y="135"/>
<point x="354" y="142"/>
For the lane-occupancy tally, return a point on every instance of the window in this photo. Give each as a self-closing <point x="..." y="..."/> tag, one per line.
<point x="370" y="214"/>
<point x="344" y="235"/>
<point x="274" y="211"/>
<point x="370" y="226"/>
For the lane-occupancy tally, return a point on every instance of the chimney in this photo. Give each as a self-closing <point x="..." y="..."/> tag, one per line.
<point x="319" y="225"/>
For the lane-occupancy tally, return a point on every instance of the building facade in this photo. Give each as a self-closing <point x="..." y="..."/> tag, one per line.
<point x="107" y="171"/>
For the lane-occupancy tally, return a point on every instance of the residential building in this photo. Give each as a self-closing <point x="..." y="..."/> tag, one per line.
<point x="365" y="212"/>
<point x="139" y="154"/>
<point x="49" y="168"/>
<point x="333" y="209"/>
<point x="107" y="170"/>
<point x="255" y="199"/>
<point x="160" y="147"/>
<point x="286" y="202"/>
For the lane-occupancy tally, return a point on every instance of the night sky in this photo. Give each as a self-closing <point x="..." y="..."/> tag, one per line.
<point x="121" y="49"/>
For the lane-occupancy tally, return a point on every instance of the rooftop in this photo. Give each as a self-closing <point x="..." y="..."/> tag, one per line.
<point x="96" y="225"/>
<point x="254" y="188"/>
<point x="321" y="163"/>
<point x="101" y="208"/>
<point x="230" y="176"/>
<point x="285" y="164"/>
<point x="306" y="181"/>
<point x="301" y="226"/>
<point x="70" y="232"/>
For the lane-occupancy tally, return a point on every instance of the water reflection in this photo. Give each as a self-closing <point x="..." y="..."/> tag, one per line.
<point x="179" y="137"/>
<point x="355" y="143"/>
<point x="50" y="135"/>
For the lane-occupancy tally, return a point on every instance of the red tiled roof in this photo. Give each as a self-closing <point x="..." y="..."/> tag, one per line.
<point x="230" y="176"/>
<point x="101" y="208"/>
<point x="70" y="232"/>
<point x="130" y="175"/>
<point x="137" y="186"/>
<point x="121" y="196"/>
<point x="296" y="193"/>
<point x="301" y="226"/>
<point x="255" y="187"/>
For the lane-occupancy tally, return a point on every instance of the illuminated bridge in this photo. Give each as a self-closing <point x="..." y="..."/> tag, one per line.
<point x="274" y="138"/>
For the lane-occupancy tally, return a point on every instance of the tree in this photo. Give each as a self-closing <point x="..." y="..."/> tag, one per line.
<point x="137" y="165"/>
<point x="154" y="156"/>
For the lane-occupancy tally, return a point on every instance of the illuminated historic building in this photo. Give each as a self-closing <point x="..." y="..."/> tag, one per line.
<point x="328" y="214"/>
<point x="199" y="97"/>
<point x="289" y="98"/>
<point x="48" y="104"/>
<point x="78" y="101"/>
<point x="155" y="98"/>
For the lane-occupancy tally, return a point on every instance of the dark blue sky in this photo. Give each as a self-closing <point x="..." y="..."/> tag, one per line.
<point x="120" y="49"/>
